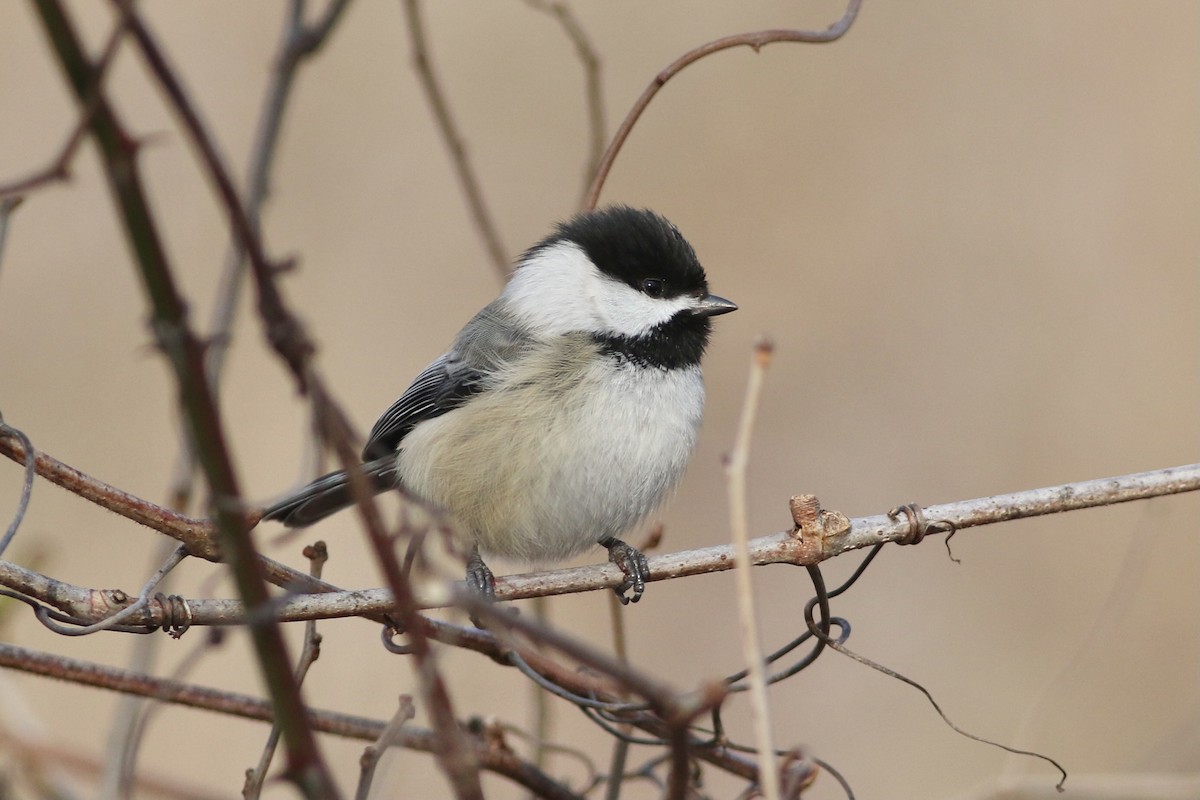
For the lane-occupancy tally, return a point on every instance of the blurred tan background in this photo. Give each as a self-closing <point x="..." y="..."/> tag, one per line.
<point x="971" y="229"/>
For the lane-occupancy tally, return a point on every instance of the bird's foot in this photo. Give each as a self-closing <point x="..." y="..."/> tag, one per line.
<point x="479" y="578"/>
<point x="633" y="564"/>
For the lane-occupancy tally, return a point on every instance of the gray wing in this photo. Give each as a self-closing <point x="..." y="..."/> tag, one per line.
<point x="442" y="386"/>
<point x="488" y="341"/>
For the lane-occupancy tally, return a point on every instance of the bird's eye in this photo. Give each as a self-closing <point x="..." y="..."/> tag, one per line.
<point x="655" y="287"/>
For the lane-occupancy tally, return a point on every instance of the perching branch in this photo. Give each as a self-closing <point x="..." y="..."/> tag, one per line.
<point x="785" y="547"/>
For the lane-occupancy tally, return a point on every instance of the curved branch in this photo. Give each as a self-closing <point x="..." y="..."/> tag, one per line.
<point x="589" y="59"/>
<point x="756" y="40"/>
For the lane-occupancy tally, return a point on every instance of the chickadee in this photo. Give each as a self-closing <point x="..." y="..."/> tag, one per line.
<point x="565" y="411"/>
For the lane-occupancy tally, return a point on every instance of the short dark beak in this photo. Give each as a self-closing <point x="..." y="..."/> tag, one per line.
<point x="710" y="306"/>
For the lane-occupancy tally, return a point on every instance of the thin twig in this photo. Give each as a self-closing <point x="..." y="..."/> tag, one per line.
<point x="33" y="755"/>
<point x="299" y="42"/>
<point x="448" y="128"/>
<point x="59" y="169"/>
<point x="174" y="559"/>
<point x="755" y="40"/>
<point x="589" y="58"/>
<point x="738" y="462"/>
<point x="7" y="206"/>
<point x="199" y="535"/>
<point x="317" y="554"/>
<point x="373" y="752"/>
<point x="505" y="763"/>
<point x="784" y="547"/>
<point x="26" y="485"/>
<point x="185" y="351"/>
<point x="777" y="548"/>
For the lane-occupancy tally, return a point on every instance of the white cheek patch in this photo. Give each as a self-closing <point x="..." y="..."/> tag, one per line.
<point x="548" y="290"/>
<point x="559" y="290"/>
<point x="628" y="312"/>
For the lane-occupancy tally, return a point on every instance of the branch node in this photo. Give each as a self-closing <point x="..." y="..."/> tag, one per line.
<point x="797" y="773"/>
<point x="811" y="522"/>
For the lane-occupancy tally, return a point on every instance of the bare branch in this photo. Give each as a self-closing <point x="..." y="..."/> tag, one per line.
<point x="756" y="40"/>
<point x="186" y="357"/>
<point x="30" y="468"/>
<point x="373" y="752"/>
<point x="504" y="763"/>
<point x="454" y="140"/>
<point x="589" y="58"/>
<point x="736" y="467"/>
<point x="299" y="43"/>
<point x="786" y="547"/>
<point x="139" y="605"/>
<point x="317" y="555"/>
<point x="59" y="169"/>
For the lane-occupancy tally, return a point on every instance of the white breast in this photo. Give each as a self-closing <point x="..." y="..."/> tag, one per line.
<point x="573" y="450"/>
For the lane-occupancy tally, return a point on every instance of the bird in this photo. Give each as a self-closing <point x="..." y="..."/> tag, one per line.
<point x="564" y="412"/>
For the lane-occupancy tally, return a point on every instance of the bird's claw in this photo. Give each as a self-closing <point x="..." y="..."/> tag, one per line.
<point x="479" y="577"/>
<point x="633" y="564"/>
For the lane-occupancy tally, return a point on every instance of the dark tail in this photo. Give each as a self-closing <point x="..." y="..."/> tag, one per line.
<point x="329" y="494"/>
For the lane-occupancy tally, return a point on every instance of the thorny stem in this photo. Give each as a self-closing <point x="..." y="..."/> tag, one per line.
<point x="289" y="340"/>
<point x="454" y="755"/>
<point x="185" y="353"/>
<point x="300" y="41"/>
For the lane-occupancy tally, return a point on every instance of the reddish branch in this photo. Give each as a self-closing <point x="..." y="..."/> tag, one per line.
<point x="501" y="761"/>
<point x="755" y="40"/>
<point x="118" y="152"/>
